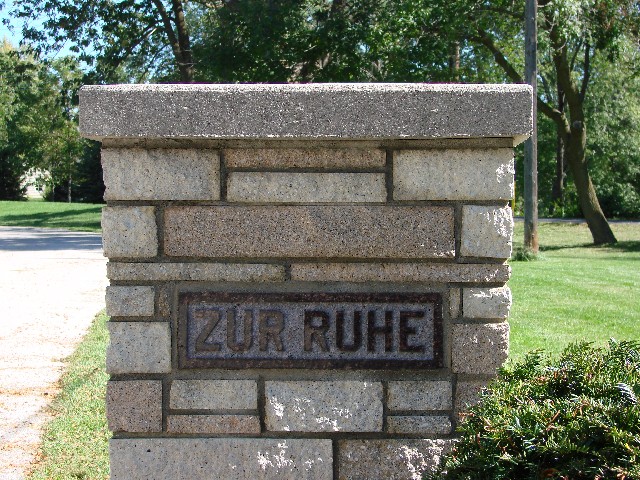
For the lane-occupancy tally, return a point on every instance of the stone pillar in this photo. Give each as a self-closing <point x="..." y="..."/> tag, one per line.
<point x="307" y="281"/>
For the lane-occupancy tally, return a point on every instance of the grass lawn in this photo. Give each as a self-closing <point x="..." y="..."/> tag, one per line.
<point x="575" y="291"/>
<point x="75" y="441"/>
<point x="84" y="217"/>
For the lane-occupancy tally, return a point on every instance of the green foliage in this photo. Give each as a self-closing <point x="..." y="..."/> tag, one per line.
<point x="575" y="418"/>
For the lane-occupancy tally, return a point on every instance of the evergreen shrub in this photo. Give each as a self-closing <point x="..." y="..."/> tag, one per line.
<point x="575" y="418"/>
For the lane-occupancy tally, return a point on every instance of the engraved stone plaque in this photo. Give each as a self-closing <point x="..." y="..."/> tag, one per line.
<point x="310" y="330"/>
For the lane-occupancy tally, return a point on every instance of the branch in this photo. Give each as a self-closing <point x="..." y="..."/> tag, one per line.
<point x="168" y="28"/>
<point x="484" y="38"/>
<point x="575" y="55"/>
<point x="546" y="86"/>
<point x="587" y="71"/>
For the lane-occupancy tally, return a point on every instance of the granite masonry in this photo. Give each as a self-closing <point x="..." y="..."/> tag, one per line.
<point x="307" y="281"/>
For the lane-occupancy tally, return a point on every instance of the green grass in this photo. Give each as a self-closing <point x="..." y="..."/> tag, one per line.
<point x="575" y="291"/>
<point x="75" y="441"/>
<point x="83" y="217"/>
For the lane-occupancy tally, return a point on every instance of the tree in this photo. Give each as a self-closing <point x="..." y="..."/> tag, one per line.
<point x="127" y="40"/>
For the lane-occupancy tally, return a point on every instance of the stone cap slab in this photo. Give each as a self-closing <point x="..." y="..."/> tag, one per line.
<point x="330" y="111"/>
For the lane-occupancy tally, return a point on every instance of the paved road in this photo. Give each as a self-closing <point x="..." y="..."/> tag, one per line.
<point x="51" y="286"/>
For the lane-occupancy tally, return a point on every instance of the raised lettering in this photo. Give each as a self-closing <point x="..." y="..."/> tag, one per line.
<point x="357" y="331"/>
<point x="386" y="330"/>
<point x="247" y="334"/>
<point x="270" y="326"/>
<point x="315" y="332"/>
<point x="212" y="317"/>
<point x="406" y="330"/>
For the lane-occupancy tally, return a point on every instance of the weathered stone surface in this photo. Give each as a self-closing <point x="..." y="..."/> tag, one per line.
<point x="214" y="394"/>
<point x="389" y="459"/>
<point x="139" y="347"/>
<point x="213" y="424"/>
<point x="419" y="395"/>
<point x="479" y="348"/>
<point x="454" y="302"/>
<point x="345" y="231"/>
<point x="486" y="302"/>
<point x="279" y="187"/>
<point x="130" y="301"/>
<point x="340" y="406"/>
<point x="277" y="158"/>
<point x="400" y="272"/>
<point x="306" y="111"/>
<point x="207" y="272"/>
<point x="165" y="300"/>
<point x="467" y="395"/>
<point x="453" y="174"/>
<point x="220" y="458"/>
<point x="134" y="406"/>
<point x="420" y="425"/>
<point x="161" y="174"/>
<point x="129" y="232"/>
<point x="486" y="231"/>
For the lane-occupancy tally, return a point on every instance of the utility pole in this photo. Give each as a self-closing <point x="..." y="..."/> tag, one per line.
<point x="531" y="145"/>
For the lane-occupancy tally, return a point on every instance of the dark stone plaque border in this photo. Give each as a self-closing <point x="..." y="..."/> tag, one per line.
<point x="184" y="298"/>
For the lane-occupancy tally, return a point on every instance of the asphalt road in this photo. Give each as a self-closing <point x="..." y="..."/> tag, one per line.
<point x="51" y="286"/>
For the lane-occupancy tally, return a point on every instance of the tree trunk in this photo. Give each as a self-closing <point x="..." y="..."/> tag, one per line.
<point x="185" y="60"/>
<point x="575" y="152"/>
<point x="454" y="62"/>
<point x="557" y="191"/>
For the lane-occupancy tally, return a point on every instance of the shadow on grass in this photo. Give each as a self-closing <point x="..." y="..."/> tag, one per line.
<point x="62" y="219"/>
<point x="627" y="246"/>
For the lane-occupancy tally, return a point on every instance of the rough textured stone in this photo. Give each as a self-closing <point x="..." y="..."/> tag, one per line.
<point x="130" y="301"/>
<point x="479" y="348"/>
<point x="341" y="406"/>
<point x="486" y="231"/>
<point x="467" y="395"/>
<point x="161" y="174"/>
<point x="309" y="231"/>
<point x="278" y="187"/>
<point x="486" y="302"/>
<point x="389" y="459"/>
<point x="134" y="406"/>
<point x="207" y="272"/>
<point x="129" y="232"/>
<point x="220" y="458"/>
<point x="400" y="272"/>
<point x="454" y="302"/>
<point x="276" y="158"/>
<point x="139" y="347"/>
<point x="306" y="111"/>
<point x="420" y="395"/>
<point x="164" y="300"/>
<point x="214" y="394"/>
<point x="420" y="425"/>
<point x="453" y="174"/>
<point x="213" y="424"/>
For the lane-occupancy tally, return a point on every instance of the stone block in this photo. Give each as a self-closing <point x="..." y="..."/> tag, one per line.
<point x="213" y="395"/>
<point x="346" y="231"/>
<point x="389" y="459"/>
<point x="134" y="406"/>
<point x="325" y="158"/>
<point x="453" y="174"/>
<point x="479" y="348"/>
<point x="454" y="302"/>
<point x="467" y="395"/>
<point x="161" y="174"/>
<point x="486" y="232"/>
<point x="129" y="232"/>
<point x="419" y="425"/>
<point x="220" y="458"/>
<point x="279" y="187"/>
<point x="486" y="302"/>
<point x="420" y="395"/>
<point x="213" y="424"/>
<point x="339" y="406"/>
<point x="400" y="272"/>
<point x="206" y="272"/>
<point x="329" y="111"/>
<point x="139" y="347"/>
<point x="130" y="301"/>
<point x="164" y="300"/>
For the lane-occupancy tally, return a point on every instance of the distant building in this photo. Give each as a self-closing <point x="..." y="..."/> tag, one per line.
<point x="34" y="181"/>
